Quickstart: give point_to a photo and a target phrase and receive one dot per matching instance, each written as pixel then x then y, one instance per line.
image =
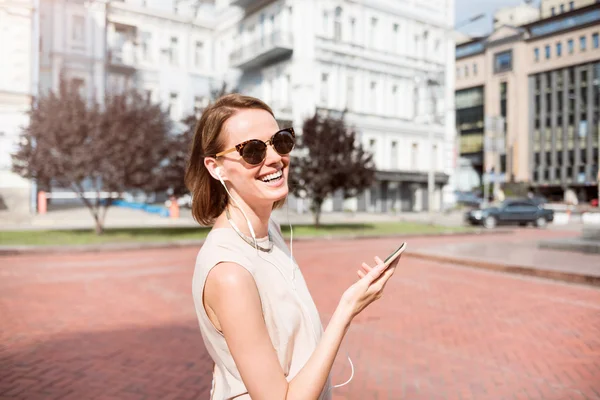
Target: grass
pixel 82 237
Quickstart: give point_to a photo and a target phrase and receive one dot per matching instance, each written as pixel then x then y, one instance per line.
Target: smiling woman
pixel 256 315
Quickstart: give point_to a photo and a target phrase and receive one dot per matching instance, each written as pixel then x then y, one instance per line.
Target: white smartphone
pixel 395 255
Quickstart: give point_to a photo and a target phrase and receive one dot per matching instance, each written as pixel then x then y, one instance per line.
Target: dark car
pixel 511 212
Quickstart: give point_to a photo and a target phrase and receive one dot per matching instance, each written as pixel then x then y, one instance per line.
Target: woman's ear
pixel 213 168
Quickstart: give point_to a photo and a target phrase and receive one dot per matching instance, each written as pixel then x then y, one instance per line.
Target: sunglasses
pixel 254 151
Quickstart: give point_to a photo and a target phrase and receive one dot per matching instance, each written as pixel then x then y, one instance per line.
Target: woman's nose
pixel 272 156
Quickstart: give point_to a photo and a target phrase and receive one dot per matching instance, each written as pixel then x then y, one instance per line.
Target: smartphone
pixel 394 255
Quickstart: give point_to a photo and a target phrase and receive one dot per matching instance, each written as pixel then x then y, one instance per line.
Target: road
pixel 121 325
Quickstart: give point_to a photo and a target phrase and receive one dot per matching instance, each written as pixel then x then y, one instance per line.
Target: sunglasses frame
pixel 240 147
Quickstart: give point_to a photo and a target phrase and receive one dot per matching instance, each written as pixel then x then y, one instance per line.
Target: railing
pixel 261 46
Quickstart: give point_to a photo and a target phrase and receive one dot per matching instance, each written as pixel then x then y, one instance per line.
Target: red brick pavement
pixel 121 326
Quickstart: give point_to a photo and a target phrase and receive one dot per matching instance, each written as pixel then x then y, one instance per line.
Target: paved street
pixel 121 326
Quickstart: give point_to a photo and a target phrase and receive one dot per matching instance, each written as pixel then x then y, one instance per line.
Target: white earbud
pixel 218 172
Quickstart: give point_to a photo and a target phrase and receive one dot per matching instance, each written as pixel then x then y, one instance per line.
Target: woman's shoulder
pixel 220 246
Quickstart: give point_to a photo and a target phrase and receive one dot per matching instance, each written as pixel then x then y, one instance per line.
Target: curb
pixel 563 276
pixel 110 247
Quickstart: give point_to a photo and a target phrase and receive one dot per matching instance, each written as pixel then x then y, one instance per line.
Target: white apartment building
pixel 18 89
pixel 390 64
pixel 163 48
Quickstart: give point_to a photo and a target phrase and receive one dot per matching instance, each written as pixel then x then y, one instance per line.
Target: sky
pixel 466 9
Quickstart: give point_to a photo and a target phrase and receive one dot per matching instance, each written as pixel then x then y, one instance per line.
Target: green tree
pixel 329 158
pixel 114 147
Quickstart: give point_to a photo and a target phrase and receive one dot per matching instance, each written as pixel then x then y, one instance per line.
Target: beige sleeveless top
pixel 289 312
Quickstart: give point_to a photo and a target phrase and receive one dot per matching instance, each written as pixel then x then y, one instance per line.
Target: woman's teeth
pixel 271 177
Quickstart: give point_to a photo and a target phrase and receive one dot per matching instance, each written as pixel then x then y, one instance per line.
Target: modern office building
pixel 520 14
pixel 550 8
pixel 542 78
pixel 389 65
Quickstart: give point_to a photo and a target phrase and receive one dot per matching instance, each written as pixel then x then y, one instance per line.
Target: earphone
pixel 218 173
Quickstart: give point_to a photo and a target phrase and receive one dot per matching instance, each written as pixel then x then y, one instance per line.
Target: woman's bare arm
pixel 231 293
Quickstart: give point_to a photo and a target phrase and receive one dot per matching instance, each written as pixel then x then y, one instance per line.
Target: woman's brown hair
pixel 209 198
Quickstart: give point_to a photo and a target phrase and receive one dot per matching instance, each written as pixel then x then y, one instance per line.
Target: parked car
pixel 511 212
pixel 468 199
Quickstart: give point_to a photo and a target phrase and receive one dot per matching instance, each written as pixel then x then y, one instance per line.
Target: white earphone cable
pixel 293 265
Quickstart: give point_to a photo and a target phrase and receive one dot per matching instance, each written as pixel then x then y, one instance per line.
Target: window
pixel 467 50
pixel 337 24
pixel 395 100
pixel 571 5
pixel 571 46
pixel 198 55
pixel 350 92
pixel 560 24
pixel 425 43
pixel 395 37
pixel 547 51
pixel 325 22
pixel 78 29
pixel 324 88
pixel 373 32
pixel 374 99
pixel 353 29
pixel 458 72
pixel 582 43
pixel 414 156
pixel 145 39
pixel 174 106
pixel 553 11
pixel 562 8
pixel 558 49
pixel 466 71
pixel 173 51
pixel 595 40
pixel 372 146
pixel 474 69
pixel 394 155
pixel 503 61
pixel 536 54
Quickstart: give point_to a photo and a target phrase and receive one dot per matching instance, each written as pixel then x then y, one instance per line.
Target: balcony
pixel 263 51
pixel 123 59
pixel 250 3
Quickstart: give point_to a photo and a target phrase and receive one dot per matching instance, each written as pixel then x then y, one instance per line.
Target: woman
pixel 257 318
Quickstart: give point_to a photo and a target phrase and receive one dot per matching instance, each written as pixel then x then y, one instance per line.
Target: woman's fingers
pixel 360 274
pixel 366 268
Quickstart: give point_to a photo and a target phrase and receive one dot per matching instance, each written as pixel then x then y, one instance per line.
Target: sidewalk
pixel 117 217
pixel 519 253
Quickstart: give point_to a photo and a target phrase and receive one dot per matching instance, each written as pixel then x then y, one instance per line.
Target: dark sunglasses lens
pixel 283 142
pixel 254 152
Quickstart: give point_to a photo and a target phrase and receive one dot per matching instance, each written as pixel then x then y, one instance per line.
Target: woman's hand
pixel 368 288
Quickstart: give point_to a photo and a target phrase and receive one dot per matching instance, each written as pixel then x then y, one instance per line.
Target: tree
pixel 86 146
pixel 329 159
pixel 172 173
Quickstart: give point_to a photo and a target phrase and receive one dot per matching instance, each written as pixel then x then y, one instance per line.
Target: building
pixel 165 51
pixel 550 8
pixel 520 14
pixel 18 89
pixel 390 66
pixel 542 80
